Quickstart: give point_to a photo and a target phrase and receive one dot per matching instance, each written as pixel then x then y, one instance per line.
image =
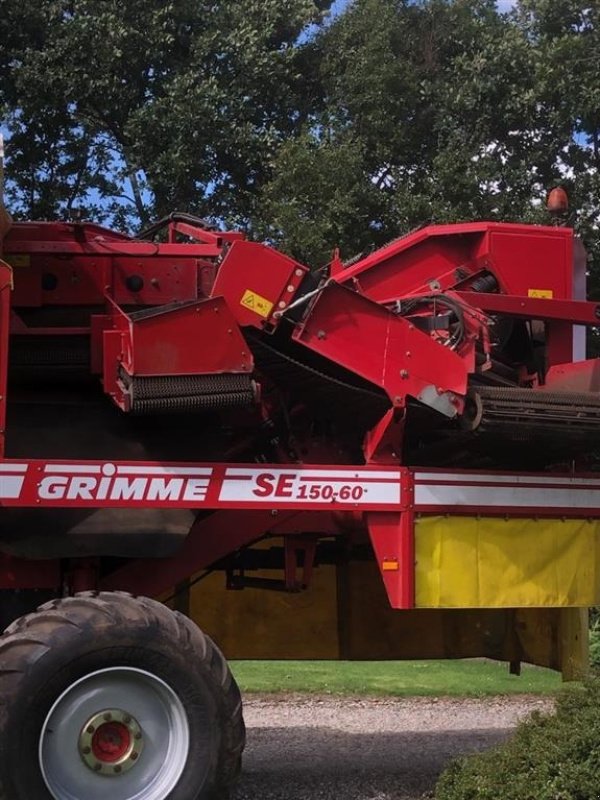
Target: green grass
pixel 397 678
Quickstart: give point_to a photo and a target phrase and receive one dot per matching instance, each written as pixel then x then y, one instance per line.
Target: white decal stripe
pixel 364 475
pixel 235 490
pixel 73 469
pixel 13 467
pixel 347 478
pixel 461 478
pixel 10 486
pixel 506 497
pixel 131 470
pixel 88 469
pixel 316 474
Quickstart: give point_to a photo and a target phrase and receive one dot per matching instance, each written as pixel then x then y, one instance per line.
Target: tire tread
pixel 30 637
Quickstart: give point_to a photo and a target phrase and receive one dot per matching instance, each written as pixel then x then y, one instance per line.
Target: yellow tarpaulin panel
pixel 466 562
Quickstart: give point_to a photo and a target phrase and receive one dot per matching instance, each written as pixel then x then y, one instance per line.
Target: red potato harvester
pixel 171 403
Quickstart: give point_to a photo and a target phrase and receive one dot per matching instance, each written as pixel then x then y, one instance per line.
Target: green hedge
pixel 595 649
pixel 595 640
pixel 550 757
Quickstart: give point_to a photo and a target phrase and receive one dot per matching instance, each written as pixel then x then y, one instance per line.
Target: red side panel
pixel 387 350
pixel 532 260
pixel 257 282
pixel 408 265
pixel 196 339
pixel 524 258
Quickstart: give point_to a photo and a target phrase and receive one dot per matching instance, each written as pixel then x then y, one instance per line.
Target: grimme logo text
pixel 108 485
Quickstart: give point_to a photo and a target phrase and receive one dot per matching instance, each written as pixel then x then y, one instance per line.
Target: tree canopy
pixel 306 129
pixel 176 104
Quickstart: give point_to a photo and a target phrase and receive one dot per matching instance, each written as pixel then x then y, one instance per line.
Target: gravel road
pixel 324 748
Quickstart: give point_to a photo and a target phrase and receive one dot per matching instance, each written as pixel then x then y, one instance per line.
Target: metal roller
pixel 532 413
pixel 181 393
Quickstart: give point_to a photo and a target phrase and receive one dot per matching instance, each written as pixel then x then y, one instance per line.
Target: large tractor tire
pixel 110 696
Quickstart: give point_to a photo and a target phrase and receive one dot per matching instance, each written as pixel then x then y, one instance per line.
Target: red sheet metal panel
pixel 194 339
pixel 257 282
pixel 388 350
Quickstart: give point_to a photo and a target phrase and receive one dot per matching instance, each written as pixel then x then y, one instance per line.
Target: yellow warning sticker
pixel 18 259
pixel 545 293
pixel 260 305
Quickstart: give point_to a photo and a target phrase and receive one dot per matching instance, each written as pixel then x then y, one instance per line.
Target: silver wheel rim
pixel 160 715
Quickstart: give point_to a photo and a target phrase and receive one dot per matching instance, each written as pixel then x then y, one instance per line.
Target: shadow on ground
pixel 324 764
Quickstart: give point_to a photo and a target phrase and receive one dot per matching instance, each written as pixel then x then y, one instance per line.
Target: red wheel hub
pixel 111 742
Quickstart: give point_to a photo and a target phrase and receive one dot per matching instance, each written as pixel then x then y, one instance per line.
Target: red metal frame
pixel 21 573
pixel 212 287
pixel 298 487
pixel 576 312
pixel 280 501
pixel 352 320
pixel 518 254
pixel 137 484
pixel 5 286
